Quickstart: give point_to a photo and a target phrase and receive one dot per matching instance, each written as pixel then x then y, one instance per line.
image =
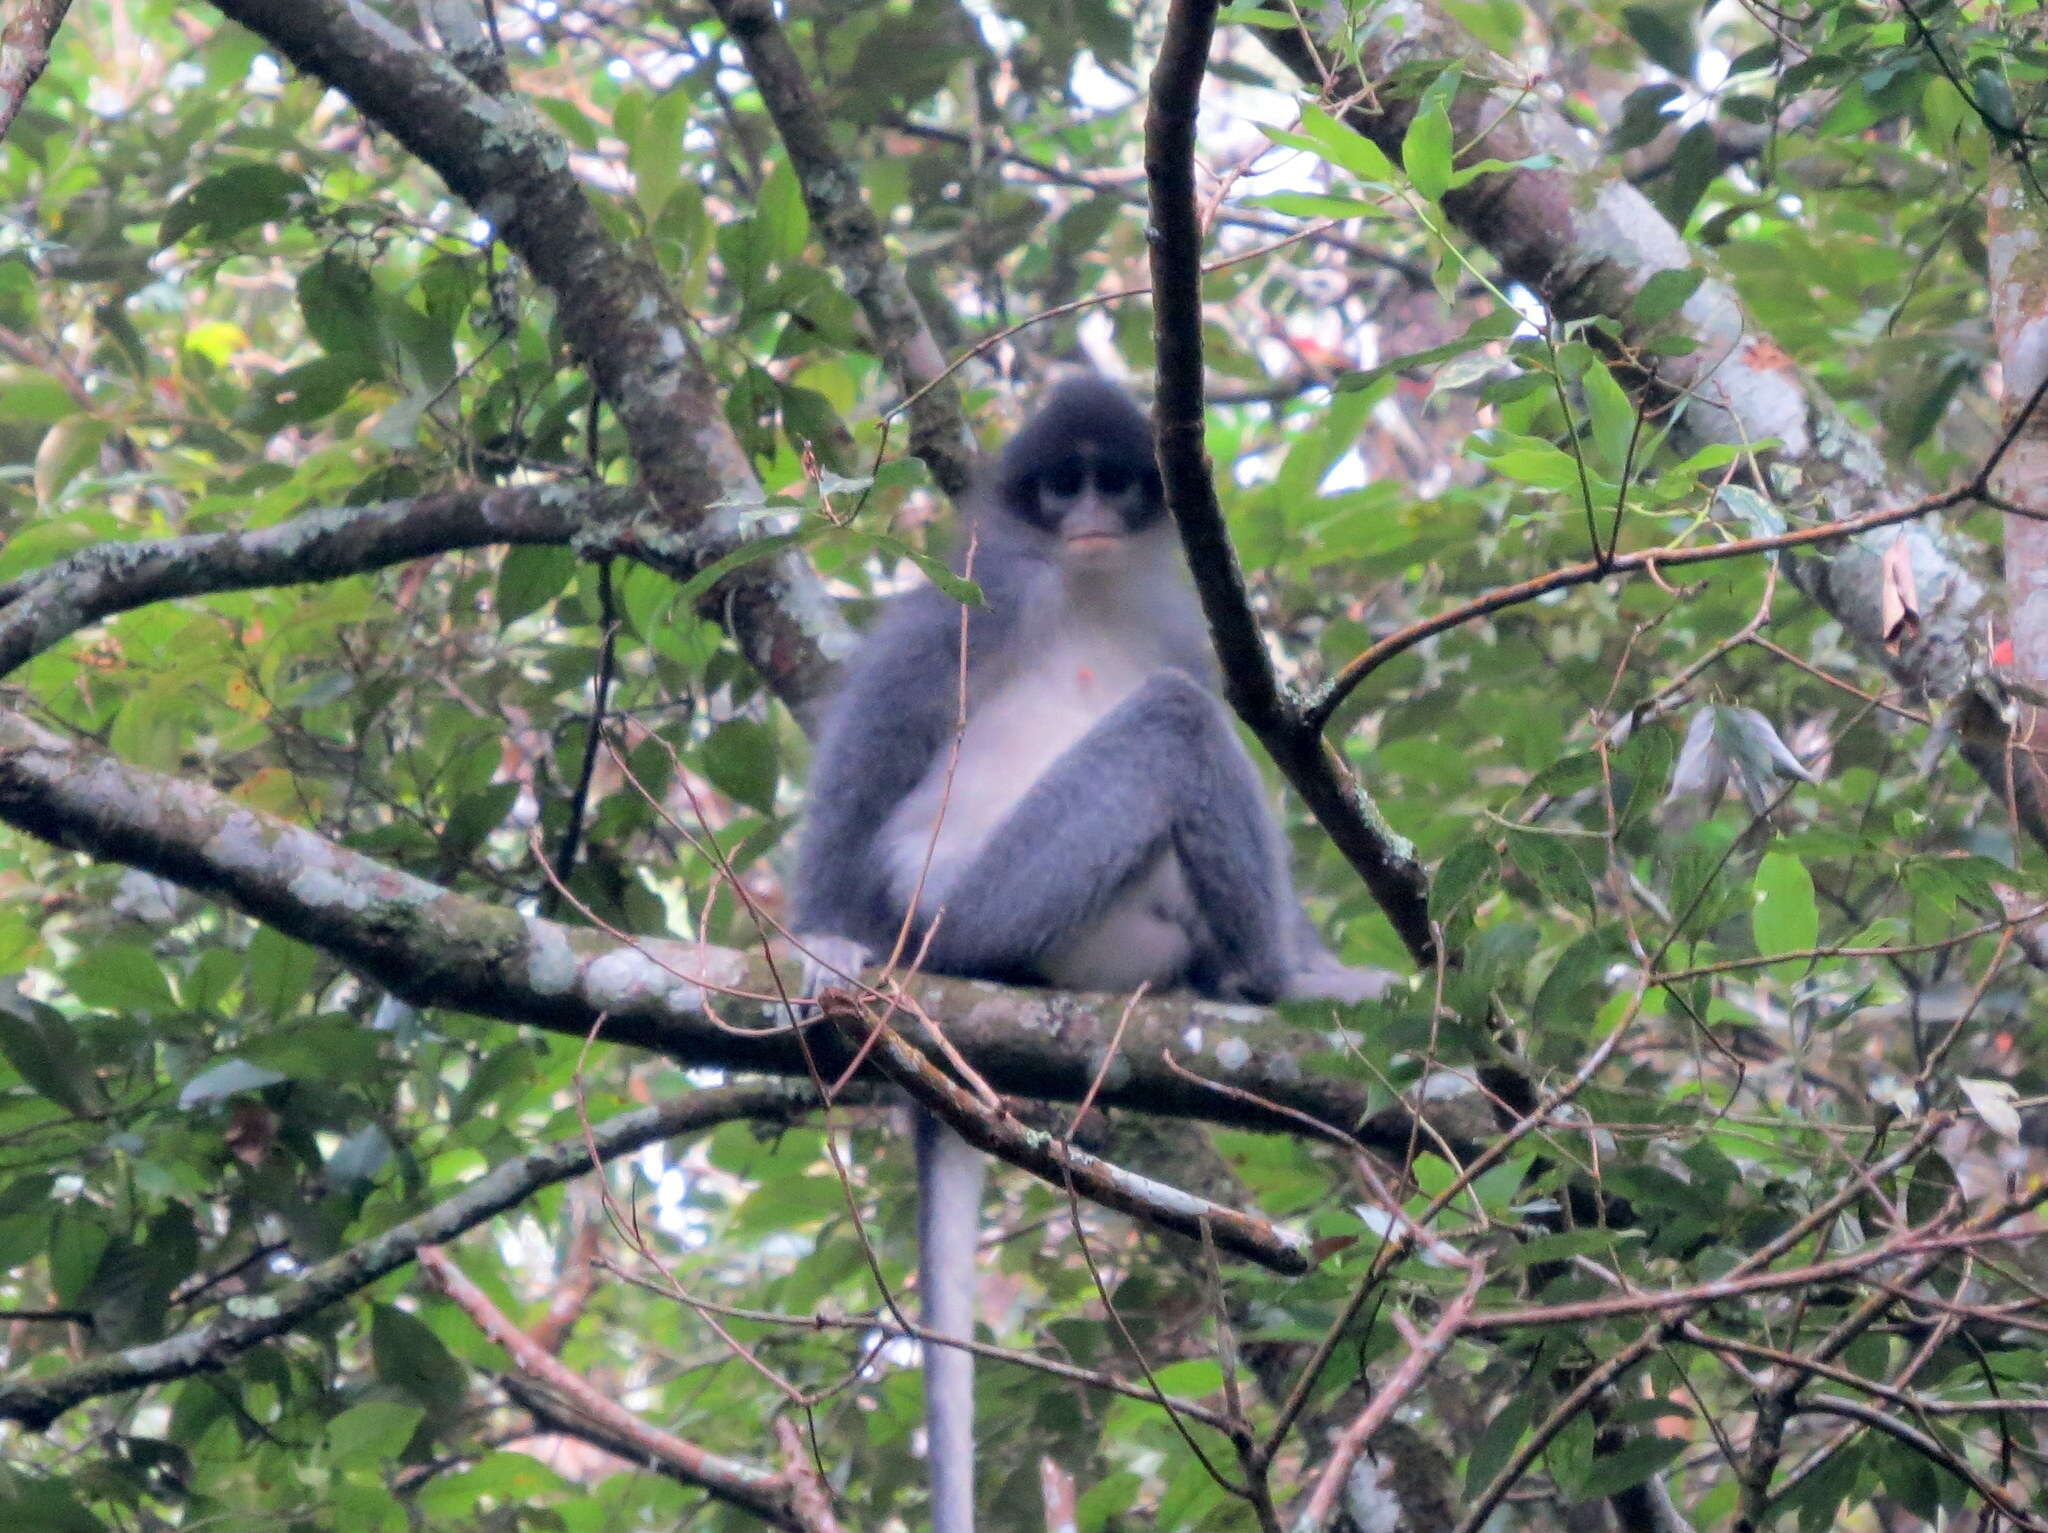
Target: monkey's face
pixel 1095 505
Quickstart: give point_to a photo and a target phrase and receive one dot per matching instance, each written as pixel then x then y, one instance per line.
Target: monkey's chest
pixel 1014 735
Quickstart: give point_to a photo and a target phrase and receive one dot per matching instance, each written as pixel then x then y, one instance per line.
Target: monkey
pixel 1098 826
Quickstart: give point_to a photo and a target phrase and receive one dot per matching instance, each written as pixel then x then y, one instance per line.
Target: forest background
pixel 444 450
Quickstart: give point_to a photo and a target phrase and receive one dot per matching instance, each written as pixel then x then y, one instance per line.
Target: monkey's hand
pixel 829 961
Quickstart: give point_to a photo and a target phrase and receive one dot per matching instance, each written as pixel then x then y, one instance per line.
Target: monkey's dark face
pixel 1093 504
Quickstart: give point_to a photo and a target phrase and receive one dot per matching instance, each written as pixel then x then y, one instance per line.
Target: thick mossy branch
pixel 697 1004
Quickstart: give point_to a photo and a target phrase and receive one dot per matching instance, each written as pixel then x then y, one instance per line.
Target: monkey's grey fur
pixel 1098 828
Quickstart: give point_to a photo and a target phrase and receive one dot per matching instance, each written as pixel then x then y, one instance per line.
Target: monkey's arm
pixel 1163 769
pixel 891 716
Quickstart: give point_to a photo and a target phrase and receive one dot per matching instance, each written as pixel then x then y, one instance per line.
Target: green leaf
pixel 749 552
pixel 231 1077
pixel 1490 1454
pixel 1467 874
pixel 655 153
pixel 1665 34
pixel 339 302
pixel 1332 141
pixel 411 1357
pixel 1632 1464
pixel 37 1041
pixel 1694 165
pixel 785 225
pixel 1643 116
pixel 1540 464
pixel 937 571
pixel 1666 292
pixel 1426 151
pixel 1785 919
pixel 1555 862
pixel 574 123
pixel 374 1432
pixel 740 759
pixel 47 1506
pixel 119 976
pixel 510 1479
pixel 1489 327
pixel 1315 205
pixel 1103 1505
pixel 474 817
pixel 1248 14
pixel 302 394
pixel 530 578
pixel 1613 417
pixel 278 973
pixel 225 204
pixel 1572 991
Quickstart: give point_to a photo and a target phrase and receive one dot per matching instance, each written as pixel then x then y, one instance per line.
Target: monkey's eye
pixel 1113 479
pixel 1066 480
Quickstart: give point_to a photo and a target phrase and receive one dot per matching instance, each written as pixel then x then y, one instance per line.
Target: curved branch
pixel 1637 562
pixel 615 307
pixel 1928 1446
pixel 214 1343
pixel 71 593
pixel 1338 802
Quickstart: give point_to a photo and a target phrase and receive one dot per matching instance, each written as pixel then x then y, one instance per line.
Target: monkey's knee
pixel 1176 701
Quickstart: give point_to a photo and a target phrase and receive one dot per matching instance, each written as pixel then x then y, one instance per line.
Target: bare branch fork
pixel 768 1494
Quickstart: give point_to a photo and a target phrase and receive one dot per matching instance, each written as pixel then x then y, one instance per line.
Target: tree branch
pixel 616 308
pixel 1636 562
pixel 852 236
pixel 214 1343
pixel 1339 804
pixel 25 52
pixel 1585 241
pixel 760 1491
pixel 696 1003
pixel 999 1133
pixel 71 593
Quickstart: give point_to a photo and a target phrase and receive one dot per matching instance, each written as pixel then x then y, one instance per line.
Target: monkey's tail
pixel 950 1172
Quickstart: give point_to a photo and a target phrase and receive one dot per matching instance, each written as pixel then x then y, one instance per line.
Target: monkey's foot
pixel 829 961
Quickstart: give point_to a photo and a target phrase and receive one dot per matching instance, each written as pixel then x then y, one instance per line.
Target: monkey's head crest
pixel 1082 467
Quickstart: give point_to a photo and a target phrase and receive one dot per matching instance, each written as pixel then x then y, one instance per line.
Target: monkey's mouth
pixel 1093 542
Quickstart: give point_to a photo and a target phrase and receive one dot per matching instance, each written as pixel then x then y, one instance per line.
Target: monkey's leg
pixel 1163 769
